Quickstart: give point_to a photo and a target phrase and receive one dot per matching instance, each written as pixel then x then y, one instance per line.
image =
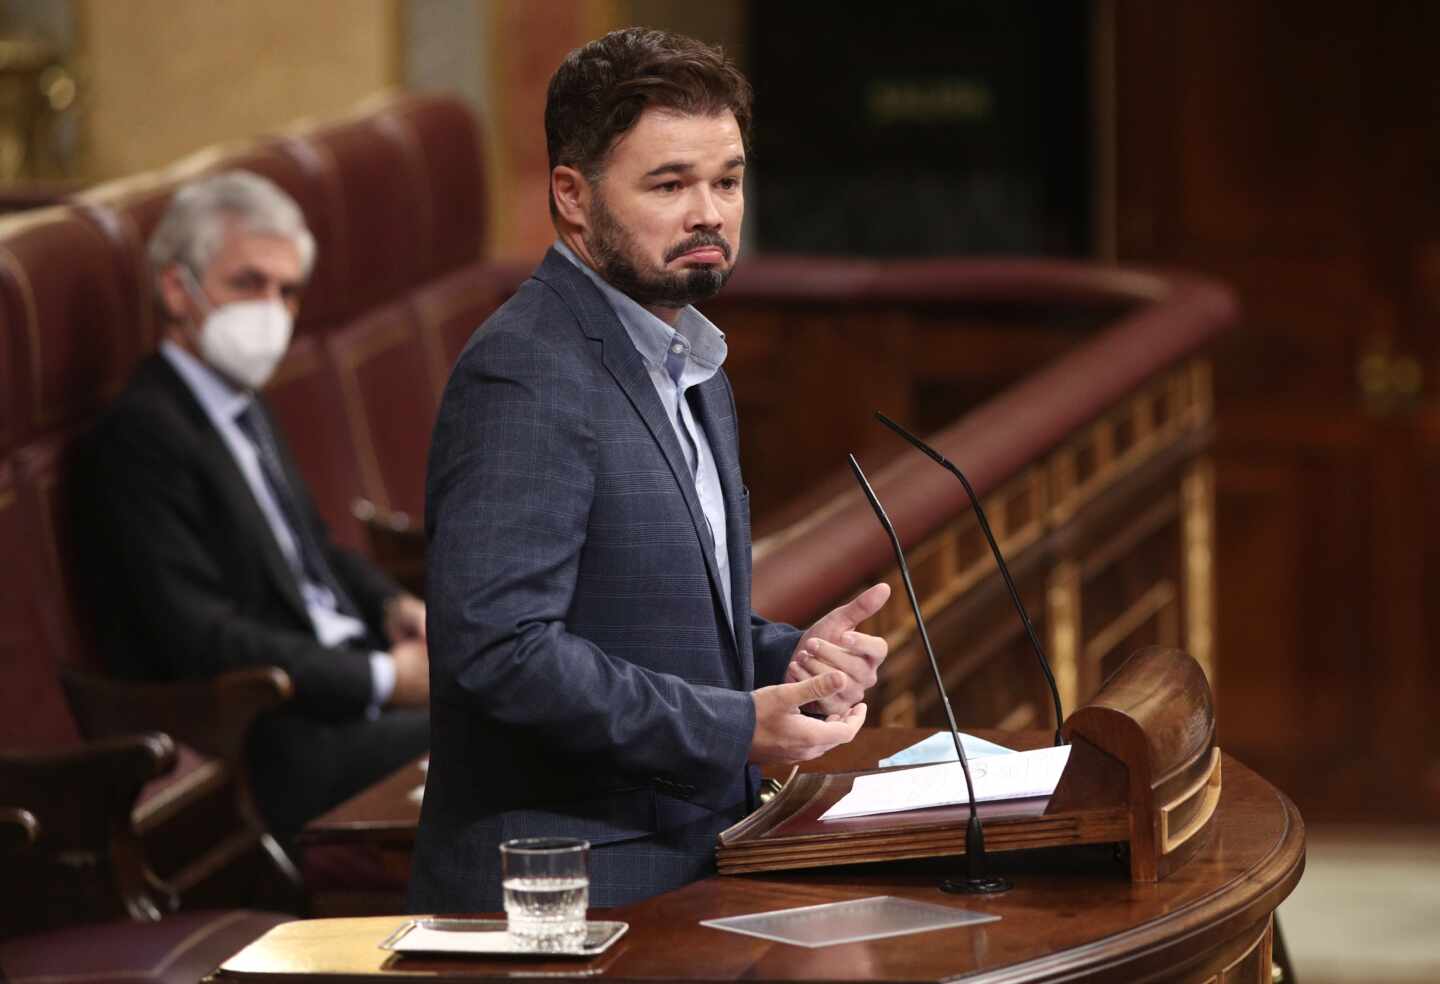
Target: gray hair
pixel 193 228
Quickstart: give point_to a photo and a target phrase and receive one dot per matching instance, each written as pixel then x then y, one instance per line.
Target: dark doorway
pixel 923 127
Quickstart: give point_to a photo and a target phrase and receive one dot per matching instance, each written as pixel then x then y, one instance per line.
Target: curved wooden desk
pixel 1073 915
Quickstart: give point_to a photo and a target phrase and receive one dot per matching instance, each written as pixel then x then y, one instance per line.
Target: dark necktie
pixel 252 421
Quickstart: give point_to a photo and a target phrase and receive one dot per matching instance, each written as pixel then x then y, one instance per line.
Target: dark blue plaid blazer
pixel 585 679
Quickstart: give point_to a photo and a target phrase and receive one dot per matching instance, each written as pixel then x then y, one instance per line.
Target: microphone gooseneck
pixel 944 462
pixel 977 882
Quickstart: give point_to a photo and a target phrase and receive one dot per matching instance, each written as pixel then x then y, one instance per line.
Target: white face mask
pixel 244 340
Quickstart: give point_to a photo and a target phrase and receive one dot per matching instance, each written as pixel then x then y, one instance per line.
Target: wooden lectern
pixel 1204 880
pixel 1144 770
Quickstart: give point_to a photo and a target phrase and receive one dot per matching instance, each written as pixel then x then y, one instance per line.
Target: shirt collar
pixel 220 400
pixel 653 338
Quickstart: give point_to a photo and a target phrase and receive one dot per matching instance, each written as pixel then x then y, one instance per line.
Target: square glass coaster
pixel 487 937
pixel 849 922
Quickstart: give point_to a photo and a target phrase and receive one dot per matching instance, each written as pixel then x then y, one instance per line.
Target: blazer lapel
pixel 625 364
pixel 233 486
pixel 715 410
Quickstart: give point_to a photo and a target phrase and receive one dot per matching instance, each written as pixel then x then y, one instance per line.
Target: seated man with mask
pixel 207 550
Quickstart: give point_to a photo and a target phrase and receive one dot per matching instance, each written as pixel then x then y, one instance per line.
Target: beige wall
pixel 168 76
pixel 162 78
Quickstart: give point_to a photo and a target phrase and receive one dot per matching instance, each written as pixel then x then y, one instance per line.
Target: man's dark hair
pixel 599 91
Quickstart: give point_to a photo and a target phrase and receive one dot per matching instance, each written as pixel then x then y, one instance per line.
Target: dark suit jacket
pixel 186 572
pixel 186 580
pixel 585 679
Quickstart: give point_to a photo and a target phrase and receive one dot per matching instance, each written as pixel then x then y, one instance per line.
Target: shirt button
pixel 677 348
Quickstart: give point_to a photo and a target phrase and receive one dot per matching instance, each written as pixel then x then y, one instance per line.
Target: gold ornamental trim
pixel 1197 493
pixel 1062 610
pixel 1047 495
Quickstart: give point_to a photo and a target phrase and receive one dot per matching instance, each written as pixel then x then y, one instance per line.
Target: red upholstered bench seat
pixel 395 195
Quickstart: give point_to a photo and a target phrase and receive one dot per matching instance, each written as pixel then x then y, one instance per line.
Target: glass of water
pixel 547 888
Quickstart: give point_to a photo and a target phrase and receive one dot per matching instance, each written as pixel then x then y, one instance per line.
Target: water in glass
pixel 546 890
pixel 547 911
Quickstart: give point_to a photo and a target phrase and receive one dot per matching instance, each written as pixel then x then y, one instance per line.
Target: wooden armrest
pixel 18 829
pixel 397 544
pixel 73 792
pixel 79 801
pixel 211 716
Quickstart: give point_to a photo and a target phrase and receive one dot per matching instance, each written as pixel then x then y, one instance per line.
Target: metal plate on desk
pixel 849 922
pixel 487 937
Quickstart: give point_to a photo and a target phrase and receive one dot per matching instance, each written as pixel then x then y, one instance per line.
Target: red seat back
pixel 384 244
pixel 72 319
pixel 390 403
pixel 46 475
pixel 305 397
pixel 448 140
pixel 450 308
pixel 73 333
pixel 33 712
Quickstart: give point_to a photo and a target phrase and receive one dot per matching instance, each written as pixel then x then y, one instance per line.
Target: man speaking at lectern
pixel 597 671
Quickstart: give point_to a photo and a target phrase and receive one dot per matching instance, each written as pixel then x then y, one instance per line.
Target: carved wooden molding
pixel 1051 492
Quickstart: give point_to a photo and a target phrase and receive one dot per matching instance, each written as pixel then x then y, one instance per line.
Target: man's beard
pixel 618 261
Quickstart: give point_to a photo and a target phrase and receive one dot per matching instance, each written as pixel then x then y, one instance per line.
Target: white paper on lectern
pixel 996 777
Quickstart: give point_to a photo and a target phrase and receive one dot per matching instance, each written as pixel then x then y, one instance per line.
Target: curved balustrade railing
pixel 1085 465
pixel 801 568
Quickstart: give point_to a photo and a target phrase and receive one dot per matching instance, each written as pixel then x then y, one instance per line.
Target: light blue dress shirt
pixel 677 359
pixel 222 403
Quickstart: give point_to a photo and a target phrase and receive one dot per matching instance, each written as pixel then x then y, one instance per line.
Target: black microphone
pixel 976 882
pixel 941 460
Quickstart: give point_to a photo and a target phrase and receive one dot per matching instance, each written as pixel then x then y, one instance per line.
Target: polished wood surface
pixel 1073 915
pixel 384 814
pixel 1243 150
